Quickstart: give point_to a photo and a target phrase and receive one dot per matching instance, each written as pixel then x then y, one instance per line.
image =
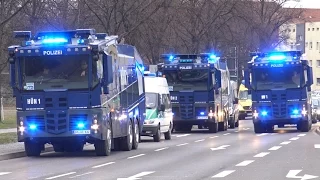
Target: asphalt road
pixel 237 154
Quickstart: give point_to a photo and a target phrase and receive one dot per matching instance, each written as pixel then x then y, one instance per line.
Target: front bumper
pixel 150 129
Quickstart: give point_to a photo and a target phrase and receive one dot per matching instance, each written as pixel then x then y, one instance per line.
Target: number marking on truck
pixel 81 132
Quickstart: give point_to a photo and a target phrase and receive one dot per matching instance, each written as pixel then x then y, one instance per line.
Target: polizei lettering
pixel 276 65
pixel 52 53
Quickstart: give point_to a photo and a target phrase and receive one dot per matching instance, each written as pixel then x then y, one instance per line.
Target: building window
pixel 312 29
pixel 317 45
pixel 318 29
pixel 310 45
pixel 310 62
pixel 293 30
pixel 308 29
pixel 318 81
pixel 318 63
pixel 306 44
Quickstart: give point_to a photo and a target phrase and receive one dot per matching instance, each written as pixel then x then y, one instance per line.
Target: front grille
pixel 186 111
pixel 60 103
pixel 279 110
pixel 247 107
pixel 78 118
pixel 36 120
pixel 186 99
pixel 57 122
pixel 280 96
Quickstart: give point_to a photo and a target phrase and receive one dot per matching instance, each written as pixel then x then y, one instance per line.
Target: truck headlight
pixel 255 114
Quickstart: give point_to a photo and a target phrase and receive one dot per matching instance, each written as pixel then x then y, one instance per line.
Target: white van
pixel 158 108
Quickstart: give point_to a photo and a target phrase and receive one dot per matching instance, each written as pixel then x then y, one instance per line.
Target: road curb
pixel 20 154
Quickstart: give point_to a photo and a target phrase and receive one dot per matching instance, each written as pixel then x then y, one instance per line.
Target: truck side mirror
pixel 107 72
pixel 247 79
pixel 162 107
pixel 236 100
pixel 310 76
pixel 12 75
pixel 217 79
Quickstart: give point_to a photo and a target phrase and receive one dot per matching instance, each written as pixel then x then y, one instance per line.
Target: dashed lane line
pixel 4 173
pixel 80 175
pixel 182 144
pixel 139 155
pixel 161 149
pixel 262 154
pixel 263 134
pixel 61 175
pixel 317 146
pixel 294 138
pixel 223 174
pixel 245 163
pixel 301 135
pixel 183 135
pixel 226 134
pixel 102 165
pixel 236 131
pixel 214 137
pixel 285 142
pixel 274 148
pixel 200 140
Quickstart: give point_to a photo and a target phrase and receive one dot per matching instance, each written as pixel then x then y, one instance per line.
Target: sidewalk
pixel 8 130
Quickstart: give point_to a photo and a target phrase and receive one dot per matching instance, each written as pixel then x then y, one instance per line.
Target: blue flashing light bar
pixel 171 57
pixel 277 56
pixel 80 125
pixel 54 41
pixel 32 127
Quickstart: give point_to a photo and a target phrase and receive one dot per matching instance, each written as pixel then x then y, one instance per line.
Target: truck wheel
pixel 33 149
pixel 213 127
pixel 136 136
pixel 167 135
pixel 103 147
pixel 303 126
pixel 157 136
pixel 237 123
pixel 314 121
pixel 221 126
pixel 258 128
pixel 232 123
pixel 127 141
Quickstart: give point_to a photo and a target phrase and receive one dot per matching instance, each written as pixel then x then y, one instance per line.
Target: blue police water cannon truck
pixel 280 83
pixel 76 87
pixel 196 91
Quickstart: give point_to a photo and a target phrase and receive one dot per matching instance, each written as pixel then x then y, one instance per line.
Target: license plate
pixel 296 116
pixel 185 67
pixel 202 117
pixel 81 132
pixel 249 114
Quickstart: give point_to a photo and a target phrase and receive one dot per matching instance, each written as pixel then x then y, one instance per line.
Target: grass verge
pixel 8 123
pixel 6 138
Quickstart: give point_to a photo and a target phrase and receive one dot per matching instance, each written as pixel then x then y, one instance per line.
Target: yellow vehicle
pixel 244 103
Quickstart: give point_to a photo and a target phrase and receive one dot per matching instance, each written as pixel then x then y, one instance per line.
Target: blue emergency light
pixel 58 40
pixel 32 127
pixel 276 56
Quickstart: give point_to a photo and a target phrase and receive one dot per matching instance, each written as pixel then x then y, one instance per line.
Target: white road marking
pixel 236 131
pixel 137 176
pixel 301 135
pixel 293 174
pixel 101 165
pixel 220 147
pixel 245 128
pixel 285 142
pixel 183 135
pixel 200 140
pixel 245 163
pixel 81 175
pixel 317 146
pixel 263 134
pixel 223 174
pixel 61 175
pixel 182 144
pixel 226 134
pixel 213 137
pixel 135 156
pixel 262 154
pixel 161 149
pixel 4 173
pixel 274 148
pixel 273 134
pixel 294 138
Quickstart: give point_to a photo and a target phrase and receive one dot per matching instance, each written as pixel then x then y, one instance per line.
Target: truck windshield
pixel 274 78
pixel 151 100
pixel 196 80
pixel 244 95
pixel 55 72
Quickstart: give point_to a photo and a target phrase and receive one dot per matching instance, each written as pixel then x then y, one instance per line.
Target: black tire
pixel 33 149
pixel 232 123
pixel 314 121
pixel 157 136
pixel 58 147
pixel 258 128
pixel 221 126
pixel 237 123
pixel 200 127
pixel 103 147
pixel 136 136
pixel 304 126
pixel 167 135
pixel 213 127
pixel 127 141
pixel 270 128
